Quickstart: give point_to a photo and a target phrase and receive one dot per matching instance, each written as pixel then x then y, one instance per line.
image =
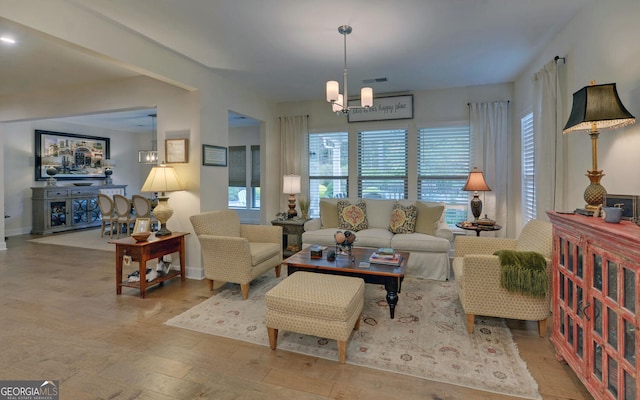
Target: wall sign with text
pixel 384 108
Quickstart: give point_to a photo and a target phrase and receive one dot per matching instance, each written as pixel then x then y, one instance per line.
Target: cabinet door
pixel 56 213
pixel 569 292
pixel 85 211
pixel 612 364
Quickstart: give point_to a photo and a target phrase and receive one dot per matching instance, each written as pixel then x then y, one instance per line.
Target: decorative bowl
pixel 83 184
pixel 140 236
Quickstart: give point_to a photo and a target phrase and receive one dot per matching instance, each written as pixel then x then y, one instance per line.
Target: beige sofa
pixel 428 245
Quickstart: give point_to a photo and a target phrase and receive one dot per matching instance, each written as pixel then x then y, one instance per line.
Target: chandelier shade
pixel 339 101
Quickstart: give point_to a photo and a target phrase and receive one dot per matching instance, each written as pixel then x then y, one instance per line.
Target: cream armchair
pixel 477 272
pixel 233 252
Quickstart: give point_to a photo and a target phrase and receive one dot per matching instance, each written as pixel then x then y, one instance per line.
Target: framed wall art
pixel 384 108
pixel 68 156
pixel 176 150
pixel 214 155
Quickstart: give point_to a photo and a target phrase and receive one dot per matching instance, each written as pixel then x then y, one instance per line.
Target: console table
pixel 64 208
pixel 141 252
pixel 596 304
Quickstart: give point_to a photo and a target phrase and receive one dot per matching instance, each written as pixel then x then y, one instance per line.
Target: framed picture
pixel 68 156
pixel 627 202
pixel 214 155
pixel 142 225
pixel 384 108
pixel 176 150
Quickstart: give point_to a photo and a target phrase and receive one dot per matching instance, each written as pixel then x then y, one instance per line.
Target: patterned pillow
pixel 352 216
pixel 403 219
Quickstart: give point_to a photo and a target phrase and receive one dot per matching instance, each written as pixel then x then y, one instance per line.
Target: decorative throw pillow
pixel 403 219
pixel 328 214
pixel 428 218
pixel 352 216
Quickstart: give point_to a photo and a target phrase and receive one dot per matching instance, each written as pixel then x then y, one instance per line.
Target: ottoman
pixel 328 306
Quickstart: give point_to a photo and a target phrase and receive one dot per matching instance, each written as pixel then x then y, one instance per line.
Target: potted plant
pixel 303 203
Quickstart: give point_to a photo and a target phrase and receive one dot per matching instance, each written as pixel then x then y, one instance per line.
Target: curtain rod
pixel 495 101
pixel 293 116
pixel 556 58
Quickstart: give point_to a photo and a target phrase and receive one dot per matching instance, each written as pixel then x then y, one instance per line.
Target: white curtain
pixel 294 133
pixel 490 152
pixel 547 140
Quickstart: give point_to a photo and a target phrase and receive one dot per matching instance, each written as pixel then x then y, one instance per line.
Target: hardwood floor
pixel 61 319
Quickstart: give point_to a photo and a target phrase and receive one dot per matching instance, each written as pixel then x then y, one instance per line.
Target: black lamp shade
pixel 597 104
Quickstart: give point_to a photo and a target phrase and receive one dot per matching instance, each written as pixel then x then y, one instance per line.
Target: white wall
pixel 601 43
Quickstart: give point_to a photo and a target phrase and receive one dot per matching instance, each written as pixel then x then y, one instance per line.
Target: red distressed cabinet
pixel 595 302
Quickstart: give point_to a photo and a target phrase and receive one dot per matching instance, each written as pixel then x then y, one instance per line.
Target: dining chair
pixel 123 211
pixel 106 210
pixel 142 208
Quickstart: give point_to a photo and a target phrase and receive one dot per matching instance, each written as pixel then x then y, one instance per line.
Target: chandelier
pixel 150 156
pixel 339 102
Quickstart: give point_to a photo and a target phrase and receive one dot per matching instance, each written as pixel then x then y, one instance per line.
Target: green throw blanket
pixel 524 272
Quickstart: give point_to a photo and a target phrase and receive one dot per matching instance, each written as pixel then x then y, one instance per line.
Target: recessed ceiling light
pixel 7 39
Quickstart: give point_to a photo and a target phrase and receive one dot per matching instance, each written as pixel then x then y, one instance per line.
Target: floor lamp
pixel 596 107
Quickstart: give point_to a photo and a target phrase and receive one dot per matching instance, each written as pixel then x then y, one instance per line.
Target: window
pixel 328 168
pixel 528 168
pixel 241 195
pixel 382 164
pixel 443 168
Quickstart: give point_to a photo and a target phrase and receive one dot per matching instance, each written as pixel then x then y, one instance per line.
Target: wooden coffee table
pixel 388 275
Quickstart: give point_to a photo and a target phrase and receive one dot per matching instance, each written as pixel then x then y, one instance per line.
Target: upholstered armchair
pixel 477 273
pixel 234 252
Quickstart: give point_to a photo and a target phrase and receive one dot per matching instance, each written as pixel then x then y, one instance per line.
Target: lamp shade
pixel 162 178
pixel 599 105
pixel 291 184
pixel 476 182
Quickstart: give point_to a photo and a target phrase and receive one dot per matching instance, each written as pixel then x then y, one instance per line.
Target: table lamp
pixel 596 107
pixel 291 186
pixel 476 183
pixel 162 179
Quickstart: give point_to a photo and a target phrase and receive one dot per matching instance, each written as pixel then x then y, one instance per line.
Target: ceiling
pixel 286 50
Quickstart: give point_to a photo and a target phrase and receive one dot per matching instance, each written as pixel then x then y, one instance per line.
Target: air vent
pixel 374 80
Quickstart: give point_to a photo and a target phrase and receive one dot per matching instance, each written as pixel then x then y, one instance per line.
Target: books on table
pixel 387 259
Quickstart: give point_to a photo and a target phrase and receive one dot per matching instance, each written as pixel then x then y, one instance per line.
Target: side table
pixel 479 228
pixel 141 252
pixel 292 230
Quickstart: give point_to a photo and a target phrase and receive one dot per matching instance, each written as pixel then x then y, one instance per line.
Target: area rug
pixel 427 339
pixel 88 239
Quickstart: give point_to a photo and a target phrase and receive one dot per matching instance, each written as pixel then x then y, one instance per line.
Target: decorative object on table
pixel 177 150
pixel 315 251
pixel 303 203
pixel 75 157
pixel 150 156
pixel 51 171
pixel 162 178
pixel 140 236
pixel 339 101
pixel 596 107
pixel 612 214
pixel 291 186
pixel 344 242
pixel 476 183
pixel 630 205
pixel 108 171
